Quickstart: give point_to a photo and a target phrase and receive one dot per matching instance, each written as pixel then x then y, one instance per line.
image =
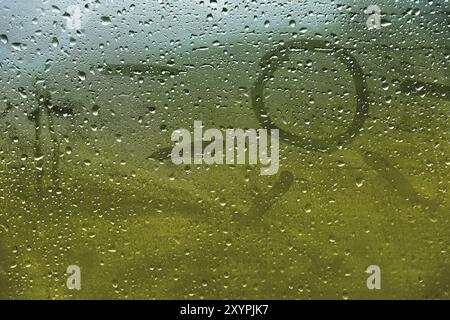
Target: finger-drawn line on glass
pixel 8 108
pixel 140 69
pixel 273 60
pixel 44 113
pixel 43 99
pixel 434 90
pixel 398 181
pixel 164 154
pixel 265 200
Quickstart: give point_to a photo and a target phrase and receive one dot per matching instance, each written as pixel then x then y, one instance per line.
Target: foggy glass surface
pixel 91 92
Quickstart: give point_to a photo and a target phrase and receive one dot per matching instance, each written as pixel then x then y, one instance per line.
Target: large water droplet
pixel 105 20
pixel 82 75
pixel 4 38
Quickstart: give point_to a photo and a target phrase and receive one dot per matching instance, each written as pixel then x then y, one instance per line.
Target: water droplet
pixel 105 20
pixel 16 46
pixel 213 3
pixel 4 38
pixel 307 208
pixel 55 42
pixel 82 75
pixel 95 109
pixel 359 182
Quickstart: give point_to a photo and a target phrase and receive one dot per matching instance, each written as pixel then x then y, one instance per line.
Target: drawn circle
pixel 273 60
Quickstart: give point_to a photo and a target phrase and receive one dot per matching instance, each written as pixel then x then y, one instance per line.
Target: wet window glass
pixel 224 149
